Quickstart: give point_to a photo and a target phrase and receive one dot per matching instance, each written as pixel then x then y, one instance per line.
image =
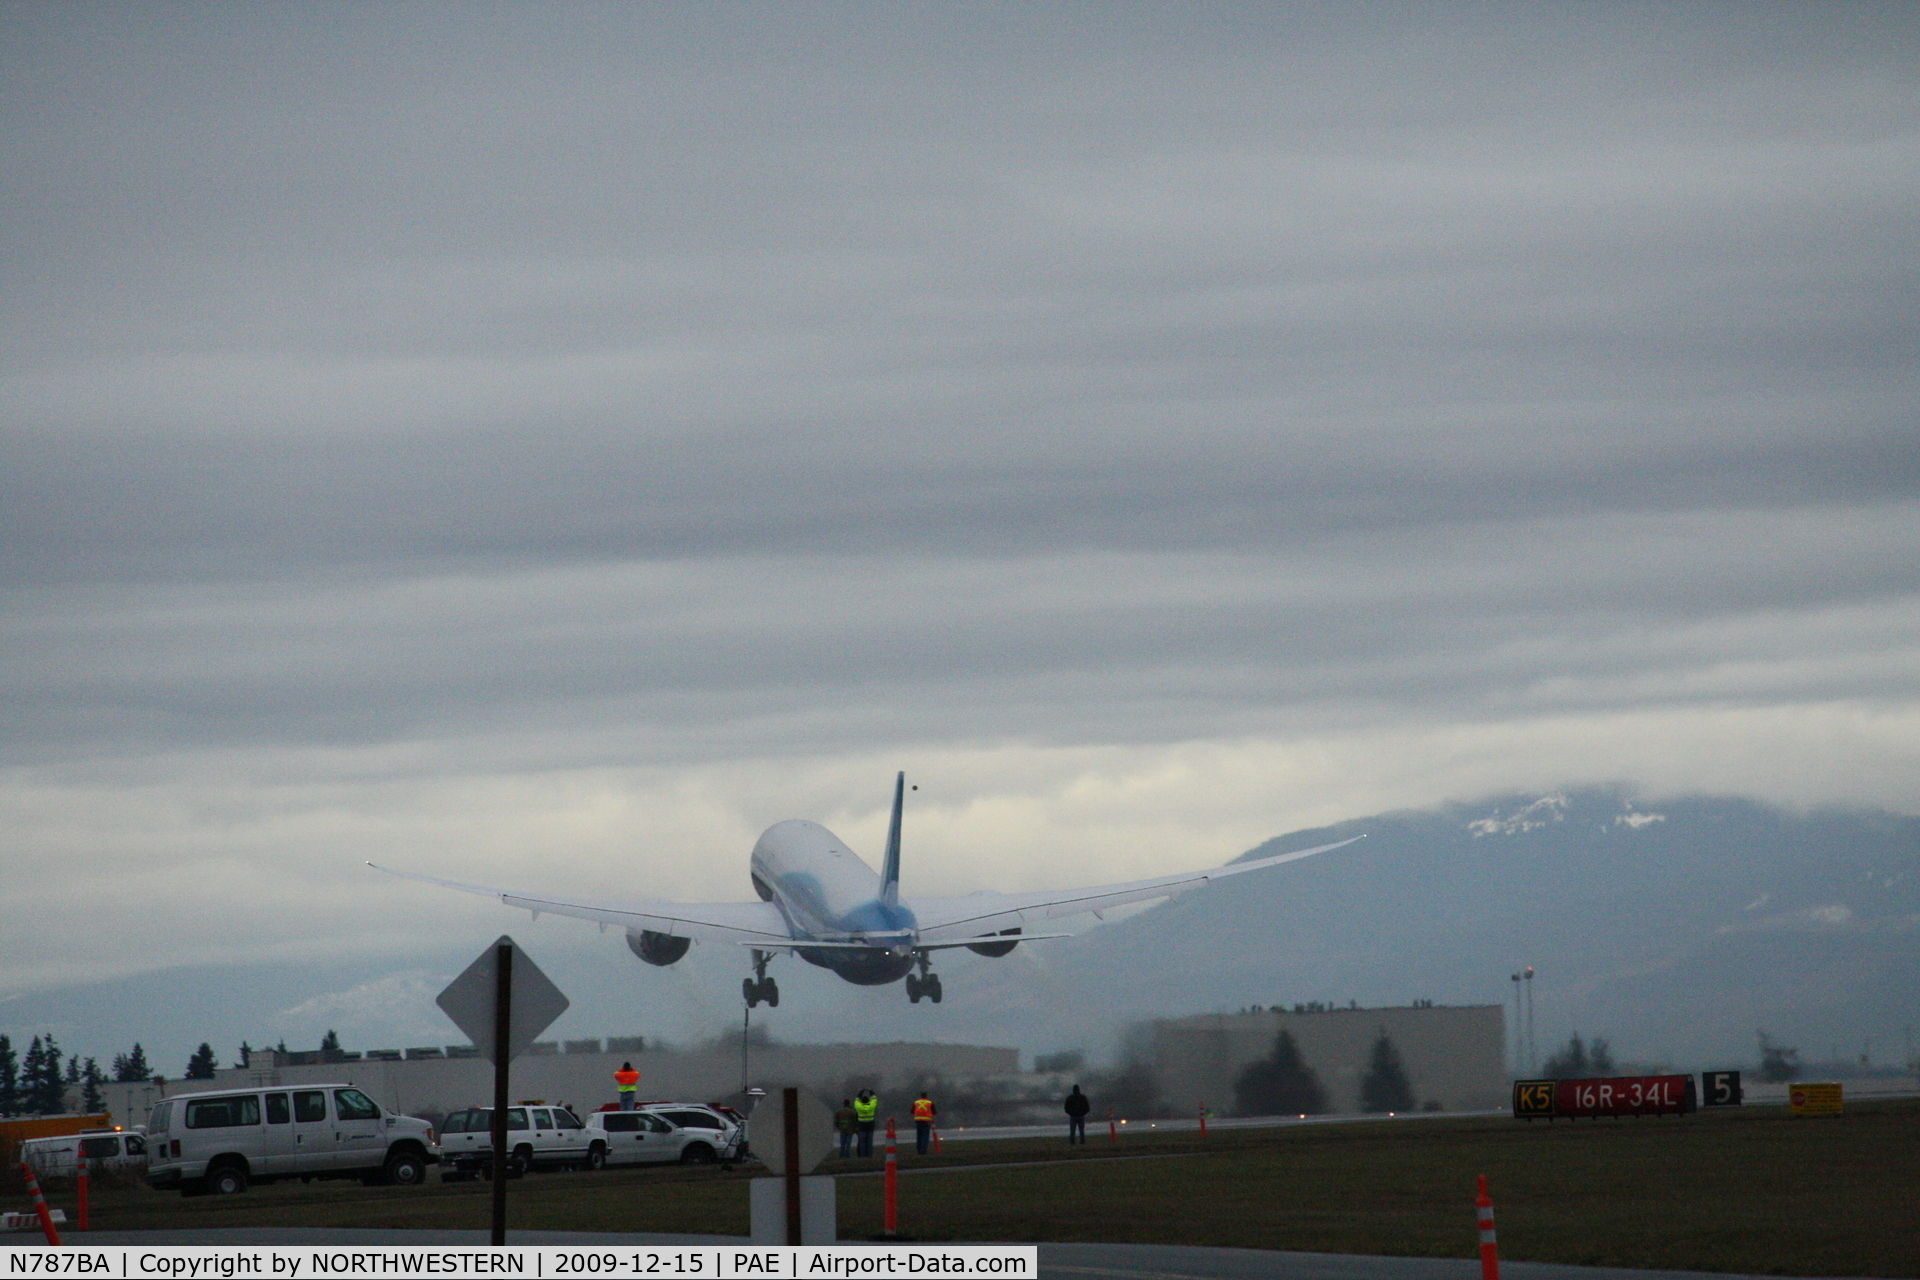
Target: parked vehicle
pixel 537 1137
pixel 715 1133
pixel 645 1137
pixel 221 1142
pixel 101 1148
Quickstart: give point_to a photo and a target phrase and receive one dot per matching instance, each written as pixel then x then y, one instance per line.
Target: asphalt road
pixel 1115 1261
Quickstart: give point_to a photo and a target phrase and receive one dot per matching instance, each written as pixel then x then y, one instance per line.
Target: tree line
pixel 39 1081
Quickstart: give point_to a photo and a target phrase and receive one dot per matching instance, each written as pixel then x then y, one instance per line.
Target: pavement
pixel 1116 1261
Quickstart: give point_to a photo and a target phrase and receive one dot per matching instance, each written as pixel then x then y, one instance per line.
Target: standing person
pixel 865 1107
pixel 626 1083
pixel 843 1124
pixel 923 1113
pixel 1077 1107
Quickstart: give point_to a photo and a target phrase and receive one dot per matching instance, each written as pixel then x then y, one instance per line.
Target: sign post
pixel 501 1006
pixel 790 1207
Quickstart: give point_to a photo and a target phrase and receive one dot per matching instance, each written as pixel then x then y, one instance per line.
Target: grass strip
pixel 1753 1190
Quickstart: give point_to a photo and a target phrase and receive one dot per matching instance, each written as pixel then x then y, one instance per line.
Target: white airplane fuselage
pixel 828 894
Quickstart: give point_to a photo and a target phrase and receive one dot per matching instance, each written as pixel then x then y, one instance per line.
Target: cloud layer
pixel 558 443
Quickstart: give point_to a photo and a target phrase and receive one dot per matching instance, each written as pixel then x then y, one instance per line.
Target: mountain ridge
pixel 1676 927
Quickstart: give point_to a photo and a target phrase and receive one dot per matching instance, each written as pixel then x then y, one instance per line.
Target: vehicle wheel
pixel 696 1153
pixel 227 1180
pixel 519 1162
pixel 597 1156
pixel 405 1169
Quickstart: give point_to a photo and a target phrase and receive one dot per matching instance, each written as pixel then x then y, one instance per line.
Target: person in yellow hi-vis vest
pixel 626 1082
pixel 923 1113
pixel 865 1107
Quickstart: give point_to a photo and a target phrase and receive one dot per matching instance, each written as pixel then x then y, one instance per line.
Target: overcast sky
pixel 545 444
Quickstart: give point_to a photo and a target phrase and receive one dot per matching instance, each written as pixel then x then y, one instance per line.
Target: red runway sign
pixel 1614 1096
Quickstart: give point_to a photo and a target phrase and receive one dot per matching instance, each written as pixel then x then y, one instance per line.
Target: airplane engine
pixel 657 948
pixel 995 948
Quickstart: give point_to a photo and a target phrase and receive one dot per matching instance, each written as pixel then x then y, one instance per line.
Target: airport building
pixel 1454 1057
pixel 436 1080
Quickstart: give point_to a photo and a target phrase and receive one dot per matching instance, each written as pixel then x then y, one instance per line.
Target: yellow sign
pixel 1533 1098
pixel 1808 1099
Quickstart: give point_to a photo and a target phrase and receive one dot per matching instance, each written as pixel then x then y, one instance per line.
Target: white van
pixel 101 1148
pixel 221 1142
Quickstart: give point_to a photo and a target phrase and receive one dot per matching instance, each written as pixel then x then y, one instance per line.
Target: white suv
pixel 537 1136
pixel 222 1141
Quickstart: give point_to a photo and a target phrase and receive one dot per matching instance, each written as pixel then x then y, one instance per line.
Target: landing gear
pixel 760 989
pixel 924 983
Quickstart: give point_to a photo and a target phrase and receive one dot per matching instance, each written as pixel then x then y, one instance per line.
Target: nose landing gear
pixel 924 983
pixel 760 989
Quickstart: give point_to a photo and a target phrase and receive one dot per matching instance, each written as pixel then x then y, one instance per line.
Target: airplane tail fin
pixel 890 869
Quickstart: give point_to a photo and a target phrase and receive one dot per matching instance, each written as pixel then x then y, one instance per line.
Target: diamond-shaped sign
pixel 534 1002
pixel 769 1132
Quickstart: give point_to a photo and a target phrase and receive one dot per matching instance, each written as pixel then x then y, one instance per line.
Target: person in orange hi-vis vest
pixel 923 1113
pixel 626 1082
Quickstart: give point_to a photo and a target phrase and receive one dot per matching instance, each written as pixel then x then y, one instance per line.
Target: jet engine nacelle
pixel 657 948
pixel 996 948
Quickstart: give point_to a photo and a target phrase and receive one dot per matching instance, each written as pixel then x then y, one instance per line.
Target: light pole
pixel 1532 1057
pixel 1519 1045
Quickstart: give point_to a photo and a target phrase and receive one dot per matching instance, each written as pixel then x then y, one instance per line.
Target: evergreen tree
pixel 201 1065
pixel 1385 1087
pixel 73 1070
pixel 245 1058
pixel 1577 1060
pixel 330 1042
pixel 1777 1062
pixel 9 1078
pixel 42 1090
pixel 1279 1084
pixel 132 1068
pixel 31 1067
pixel 90 1078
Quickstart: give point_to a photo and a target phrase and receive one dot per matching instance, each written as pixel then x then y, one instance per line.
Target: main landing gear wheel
pixel 927 985
pixel 760 989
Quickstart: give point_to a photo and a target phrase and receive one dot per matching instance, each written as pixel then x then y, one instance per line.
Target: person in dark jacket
pixel 844 1125
pixel 1076 1107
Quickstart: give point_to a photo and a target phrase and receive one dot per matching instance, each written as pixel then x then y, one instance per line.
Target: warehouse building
pixel 434 1080
pixel 1454 1057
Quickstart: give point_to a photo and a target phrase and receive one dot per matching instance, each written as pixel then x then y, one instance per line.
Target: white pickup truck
pixel 537 1137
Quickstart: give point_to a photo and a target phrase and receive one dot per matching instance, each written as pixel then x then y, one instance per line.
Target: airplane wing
pixel 956 921
pixel 744 922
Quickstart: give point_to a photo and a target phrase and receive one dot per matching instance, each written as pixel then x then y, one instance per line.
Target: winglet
pixel 890 869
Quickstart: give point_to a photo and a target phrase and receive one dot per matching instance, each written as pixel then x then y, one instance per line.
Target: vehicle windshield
pixel 351 1104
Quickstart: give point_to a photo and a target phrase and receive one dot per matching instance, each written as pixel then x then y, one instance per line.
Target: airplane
pixel 822 903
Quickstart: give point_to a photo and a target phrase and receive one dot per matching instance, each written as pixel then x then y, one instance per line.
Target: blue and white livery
pixel 821 902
